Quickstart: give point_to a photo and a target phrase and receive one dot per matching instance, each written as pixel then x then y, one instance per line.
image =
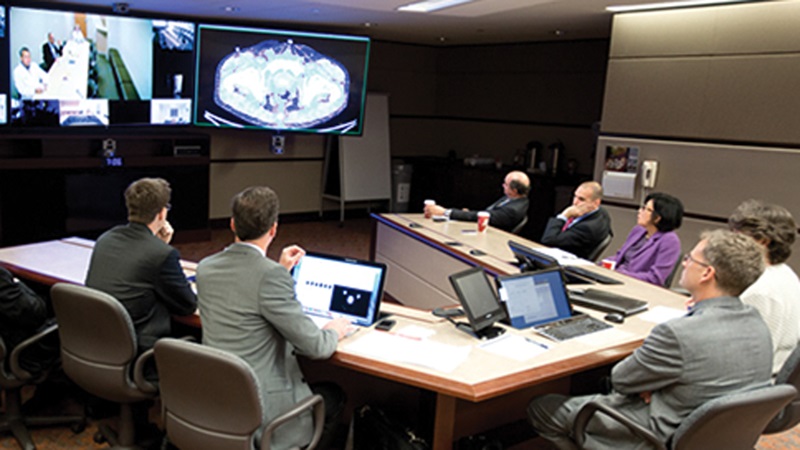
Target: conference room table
pixel 474 384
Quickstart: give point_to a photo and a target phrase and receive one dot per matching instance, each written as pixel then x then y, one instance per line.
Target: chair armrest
pixel 142 384
pixel 587 412
pixel 16 369
pixel 316 401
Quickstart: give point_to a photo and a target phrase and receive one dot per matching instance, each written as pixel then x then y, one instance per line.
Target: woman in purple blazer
pixel 652 248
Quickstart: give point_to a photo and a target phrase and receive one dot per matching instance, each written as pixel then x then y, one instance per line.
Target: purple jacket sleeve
pixel 654 261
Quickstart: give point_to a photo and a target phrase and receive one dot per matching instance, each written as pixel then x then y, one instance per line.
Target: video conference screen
pixel 280 80
pixel 69 69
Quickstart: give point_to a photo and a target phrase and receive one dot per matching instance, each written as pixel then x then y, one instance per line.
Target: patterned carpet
pixel 322 236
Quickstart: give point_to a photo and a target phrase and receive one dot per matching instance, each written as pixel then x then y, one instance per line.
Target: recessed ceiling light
pixel 666 5
pixel 431 5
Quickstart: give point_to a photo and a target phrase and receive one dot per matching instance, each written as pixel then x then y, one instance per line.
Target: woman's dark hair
pixel 668 208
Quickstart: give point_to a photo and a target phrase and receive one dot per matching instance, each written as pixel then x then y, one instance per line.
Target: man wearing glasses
pixel 719 347
pixel 135 264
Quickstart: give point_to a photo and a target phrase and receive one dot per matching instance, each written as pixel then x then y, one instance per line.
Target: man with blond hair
pixel 719 347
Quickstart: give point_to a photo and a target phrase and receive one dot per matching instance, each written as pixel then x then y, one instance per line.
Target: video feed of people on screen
pixel 281 81
pixel 88 61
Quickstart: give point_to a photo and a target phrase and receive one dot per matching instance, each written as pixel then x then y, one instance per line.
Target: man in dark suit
pixel 23 313
pixel 506 213
pixel 719 347
pixel 248 307
pixel 581 227
pixel 50 51
pixel 135 264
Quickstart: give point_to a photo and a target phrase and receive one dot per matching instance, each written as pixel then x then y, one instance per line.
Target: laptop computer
pixel 531 259
pixel 539 300
pixel 330 286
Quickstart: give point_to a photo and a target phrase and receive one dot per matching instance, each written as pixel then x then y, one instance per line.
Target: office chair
pixel 518 227
pixel 211 399
pixel 732 422
pixel 601 247
pixel 98 352
pixel 668 280
pixel 789 416
pixel 12 378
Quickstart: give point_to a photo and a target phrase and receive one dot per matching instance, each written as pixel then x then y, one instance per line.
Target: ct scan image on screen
pixel 249 78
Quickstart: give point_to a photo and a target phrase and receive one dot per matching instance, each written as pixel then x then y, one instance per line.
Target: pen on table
pixel 413 338
pixel 544 346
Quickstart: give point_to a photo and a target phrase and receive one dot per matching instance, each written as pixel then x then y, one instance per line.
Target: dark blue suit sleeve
pixel 174 290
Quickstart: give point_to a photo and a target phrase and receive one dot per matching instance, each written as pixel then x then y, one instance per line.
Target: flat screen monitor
pixel 478 299
pixel 531 259
pixel 281 80
pixel 76 69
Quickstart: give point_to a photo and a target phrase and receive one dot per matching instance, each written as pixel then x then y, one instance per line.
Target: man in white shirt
pixel 29 79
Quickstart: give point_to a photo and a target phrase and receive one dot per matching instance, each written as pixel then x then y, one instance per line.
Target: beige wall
pixel 711 94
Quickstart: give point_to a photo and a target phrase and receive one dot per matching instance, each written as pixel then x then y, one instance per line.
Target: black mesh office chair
pixel 671 277
pixel 99 353
pixel 210 399
pixel 518 228
pixel 789 416
pixel 12 378
pixel 732 422
pixel 601 247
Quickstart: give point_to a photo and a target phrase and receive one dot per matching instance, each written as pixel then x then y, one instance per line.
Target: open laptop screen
pixel 334 286
pixel 534 298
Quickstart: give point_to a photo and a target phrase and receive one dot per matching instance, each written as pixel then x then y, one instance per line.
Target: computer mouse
pixel 615 317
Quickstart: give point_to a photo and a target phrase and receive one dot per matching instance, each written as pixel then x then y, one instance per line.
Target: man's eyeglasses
pixel 688 257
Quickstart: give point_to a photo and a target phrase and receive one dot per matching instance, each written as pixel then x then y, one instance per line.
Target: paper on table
pixel 563 257
pixel 661 314
pixel 400 348
pixel 514 347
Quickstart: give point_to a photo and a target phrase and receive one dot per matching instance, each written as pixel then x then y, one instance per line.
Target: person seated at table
pixel 719 347
pixel 29 79
pixel 506 213
pixel 582 226
pixel 135 264
pixel 776 294
pixel 23 313
pixel 248 307
pixel 51 51
pixel 652 248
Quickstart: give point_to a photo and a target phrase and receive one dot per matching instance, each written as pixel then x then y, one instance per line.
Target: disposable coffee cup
pixel 483 221
pixel 428 203
pixel 609 264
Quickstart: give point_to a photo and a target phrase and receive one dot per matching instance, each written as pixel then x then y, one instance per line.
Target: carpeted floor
pixel 322 236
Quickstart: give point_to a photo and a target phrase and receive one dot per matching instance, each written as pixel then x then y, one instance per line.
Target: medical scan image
pixel 281 84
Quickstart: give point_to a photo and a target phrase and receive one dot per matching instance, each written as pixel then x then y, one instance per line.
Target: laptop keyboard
pixel 572 327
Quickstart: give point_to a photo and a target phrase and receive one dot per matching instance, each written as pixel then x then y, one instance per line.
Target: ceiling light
pixel 665 5
pixel 431 5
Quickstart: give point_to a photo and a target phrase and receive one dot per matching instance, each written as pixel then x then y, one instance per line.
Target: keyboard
pixel 571 328
pixel 593 276
pixel 607 301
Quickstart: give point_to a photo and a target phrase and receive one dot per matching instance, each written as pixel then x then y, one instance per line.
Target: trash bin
pixel 401 186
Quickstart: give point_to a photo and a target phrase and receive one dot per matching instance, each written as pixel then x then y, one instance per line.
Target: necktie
pixel 567 224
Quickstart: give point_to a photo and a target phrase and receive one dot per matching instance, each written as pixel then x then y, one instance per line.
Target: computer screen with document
pixel 534 298
pixel 331 286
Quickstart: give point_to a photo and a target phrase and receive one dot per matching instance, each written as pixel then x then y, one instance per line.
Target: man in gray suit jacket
pixel 721 346
pixel 248 307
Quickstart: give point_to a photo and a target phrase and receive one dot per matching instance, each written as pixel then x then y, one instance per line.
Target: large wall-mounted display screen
pixel 281 80
pixel 82 69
